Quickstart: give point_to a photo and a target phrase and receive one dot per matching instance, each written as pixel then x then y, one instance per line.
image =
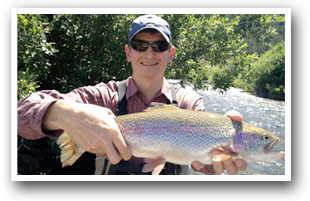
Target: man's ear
pixel 128 53
pixel 171 53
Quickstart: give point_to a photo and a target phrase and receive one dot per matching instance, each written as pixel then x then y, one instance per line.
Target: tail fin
pixel 70 152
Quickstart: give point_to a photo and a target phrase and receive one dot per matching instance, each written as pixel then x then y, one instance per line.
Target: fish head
pixel 256 145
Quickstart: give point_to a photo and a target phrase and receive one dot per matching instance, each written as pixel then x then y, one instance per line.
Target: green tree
pixel 216 40
pixel 91 50
pixel 261 32
pixel 33 48
pixel 266 76
pixel 69 51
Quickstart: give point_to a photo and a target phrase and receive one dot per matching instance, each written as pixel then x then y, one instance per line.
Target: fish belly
pixel 179 144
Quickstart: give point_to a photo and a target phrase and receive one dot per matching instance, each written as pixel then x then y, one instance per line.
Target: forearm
pixel 52 119
pixel 60 113
pixel 30 112
pixel 33 109
pixel 41 115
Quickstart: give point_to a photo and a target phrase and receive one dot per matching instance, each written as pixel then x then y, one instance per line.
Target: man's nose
pixel 150 52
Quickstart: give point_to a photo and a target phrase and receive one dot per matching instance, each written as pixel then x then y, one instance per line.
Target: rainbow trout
pixel 182 136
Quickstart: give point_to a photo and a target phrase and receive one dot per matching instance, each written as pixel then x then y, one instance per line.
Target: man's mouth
pixel 149 63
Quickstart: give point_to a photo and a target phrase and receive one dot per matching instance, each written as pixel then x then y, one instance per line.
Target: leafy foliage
pixel 266 76
pixel 270 73
pixel 91 50
pixel 26 83
pixel 33 46
pixel 261 32
pixel 69 51
pixel 205 37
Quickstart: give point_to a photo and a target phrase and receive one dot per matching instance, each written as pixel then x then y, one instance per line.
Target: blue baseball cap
pixel 150 22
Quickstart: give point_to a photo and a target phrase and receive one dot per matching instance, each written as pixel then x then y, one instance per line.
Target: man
pixel 87 113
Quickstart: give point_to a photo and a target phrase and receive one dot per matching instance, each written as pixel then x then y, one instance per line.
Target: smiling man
pixel 87 113
pixel 149 64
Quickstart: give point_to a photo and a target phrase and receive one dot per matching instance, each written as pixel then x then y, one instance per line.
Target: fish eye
pixel 265 136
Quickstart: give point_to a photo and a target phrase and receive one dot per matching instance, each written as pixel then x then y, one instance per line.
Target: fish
pixel 165 133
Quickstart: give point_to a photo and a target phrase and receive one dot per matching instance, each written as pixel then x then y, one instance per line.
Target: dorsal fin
pixel 155 106
pixel 238 126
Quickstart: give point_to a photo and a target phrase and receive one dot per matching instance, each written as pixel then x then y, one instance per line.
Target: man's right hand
pixel 91 127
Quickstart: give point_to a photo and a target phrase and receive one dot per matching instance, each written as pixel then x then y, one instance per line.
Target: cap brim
pixel 151 27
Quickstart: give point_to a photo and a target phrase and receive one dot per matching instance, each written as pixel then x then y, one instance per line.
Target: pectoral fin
pixel 154 165
pixel 221 157
pixel 70 152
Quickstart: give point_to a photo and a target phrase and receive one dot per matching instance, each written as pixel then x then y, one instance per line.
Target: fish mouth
pixel 268 148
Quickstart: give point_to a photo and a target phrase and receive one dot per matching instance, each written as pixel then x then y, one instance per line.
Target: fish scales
pixel 183 136
pixel 180 136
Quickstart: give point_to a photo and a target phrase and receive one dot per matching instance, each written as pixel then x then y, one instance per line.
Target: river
pixel 265 113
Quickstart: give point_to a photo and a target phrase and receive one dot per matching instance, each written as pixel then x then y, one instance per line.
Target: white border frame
pixel 285 177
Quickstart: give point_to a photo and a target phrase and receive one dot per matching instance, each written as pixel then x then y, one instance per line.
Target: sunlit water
pixel 265 113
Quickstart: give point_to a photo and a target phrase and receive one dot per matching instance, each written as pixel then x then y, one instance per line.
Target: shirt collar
pixel 132 89
pixel 166 90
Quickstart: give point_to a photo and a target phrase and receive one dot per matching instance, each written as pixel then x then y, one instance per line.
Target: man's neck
pixel 149 87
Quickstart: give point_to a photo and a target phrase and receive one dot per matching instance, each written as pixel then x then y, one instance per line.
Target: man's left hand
pixel 218 167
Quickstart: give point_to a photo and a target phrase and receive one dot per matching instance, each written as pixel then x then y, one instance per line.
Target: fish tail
pixel 69 151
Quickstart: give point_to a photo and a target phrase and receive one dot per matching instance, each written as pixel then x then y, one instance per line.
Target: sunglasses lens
pixel 140 46
pixel 160 46
pixel 157 46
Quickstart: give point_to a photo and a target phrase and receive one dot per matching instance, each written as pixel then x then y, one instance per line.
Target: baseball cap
pixel 150 22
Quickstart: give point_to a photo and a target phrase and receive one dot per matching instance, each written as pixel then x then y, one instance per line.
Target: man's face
pixel 149 64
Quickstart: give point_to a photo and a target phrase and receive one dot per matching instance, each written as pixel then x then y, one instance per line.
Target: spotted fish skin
pixel 179 136
pixel 183 136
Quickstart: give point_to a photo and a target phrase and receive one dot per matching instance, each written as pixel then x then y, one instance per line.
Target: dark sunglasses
pixel 142 45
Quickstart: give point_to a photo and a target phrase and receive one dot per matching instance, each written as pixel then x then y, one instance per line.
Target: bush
pixel 34 49
pixel 266 76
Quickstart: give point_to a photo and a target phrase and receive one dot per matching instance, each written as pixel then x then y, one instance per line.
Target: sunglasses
pixel 142 45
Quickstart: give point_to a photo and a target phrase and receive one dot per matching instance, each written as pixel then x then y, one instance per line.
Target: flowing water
pixel 265 113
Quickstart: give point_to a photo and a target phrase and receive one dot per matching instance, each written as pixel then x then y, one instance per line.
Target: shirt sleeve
pixel 188 99
pixel 31 110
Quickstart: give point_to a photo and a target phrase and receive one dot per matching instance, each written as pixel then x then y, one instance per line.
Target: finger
pixel 96 148
pixel 118 139
pixel 112 153
pixel 241 164
pixel 230 167
pixel 83 142
pixel 121 146
pixel 208 170
pixel 217 165
pixel 196 165
pixel 234 115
